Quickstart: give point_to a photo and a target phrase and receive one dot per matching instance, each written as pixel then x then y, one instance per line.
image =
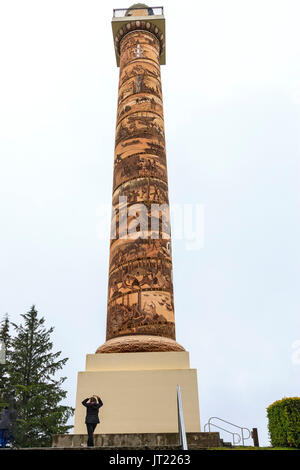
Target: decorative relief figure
pixel 125 251
pixel 140 124
pixel 145 190
pixel 138 51
pixel 138 313
pixel 146 84
pixel 138 83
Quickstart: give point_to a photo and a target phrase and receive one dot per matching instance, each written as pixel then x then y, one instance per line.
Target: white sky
pixel 232 100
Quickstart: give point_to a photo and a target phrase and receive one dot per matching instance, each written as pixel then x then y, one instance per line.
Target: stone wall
pixel 197 440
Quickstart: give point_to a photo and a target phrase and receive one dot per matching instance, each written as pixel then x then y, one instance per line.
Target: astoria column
pixel 138 382
pixel 140 310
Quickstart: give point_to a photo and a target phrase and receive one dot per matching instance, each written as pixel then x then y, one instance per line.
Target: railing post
pixel 181 426
pixel 254 435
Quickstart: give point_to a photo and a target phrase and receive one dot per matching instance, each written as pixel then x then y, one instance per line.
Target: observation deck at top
pixel 139 17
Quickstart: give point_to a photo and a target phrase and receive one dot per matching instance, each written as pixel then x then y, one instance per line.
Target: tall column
pixel 140 313
pixel 139 389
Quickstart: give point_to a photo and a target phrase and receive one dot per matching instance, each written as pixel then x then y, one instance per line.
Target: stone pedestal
pixel 139 392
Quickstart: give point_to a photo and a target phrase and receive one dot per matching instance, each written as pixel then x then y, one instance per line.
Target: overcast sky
pixel 231 91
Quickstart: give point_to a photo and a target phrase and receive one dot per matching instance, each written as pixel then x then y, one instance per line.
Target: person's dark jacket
pixel 92 411
pixel 5 422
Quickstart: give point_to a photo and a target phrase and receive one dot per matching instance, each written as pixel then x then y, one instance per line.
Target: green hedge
pixel 284 422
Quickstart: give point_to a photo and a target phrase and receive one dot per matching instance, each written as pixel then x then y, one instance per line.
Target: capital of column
pixel 139 26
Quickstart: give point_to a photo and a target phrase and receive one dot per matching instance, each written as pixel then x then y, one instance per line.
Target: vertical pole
pixel 2 352
pixel 254 435
pixel 181 425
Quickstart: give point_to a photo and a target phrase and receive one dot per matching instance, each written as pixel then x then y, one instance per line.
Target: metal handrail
pixel 242 428
pixel 226 430
pixel 181 425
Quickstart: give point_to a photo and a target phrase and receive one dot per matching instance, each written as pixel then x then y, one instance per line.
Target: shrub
pixel 284 422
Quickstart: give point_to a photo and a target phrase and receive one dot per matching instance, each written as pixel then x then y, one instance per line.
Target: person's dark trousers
pixel 90 430
pixel 3 437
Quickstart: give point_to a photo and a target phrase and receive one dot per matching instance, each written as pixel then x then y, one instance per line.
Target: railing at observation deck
pixel 120 12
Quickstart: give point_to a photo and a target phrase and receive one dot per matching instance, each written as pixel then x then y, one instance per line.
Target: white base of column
pixel 139 392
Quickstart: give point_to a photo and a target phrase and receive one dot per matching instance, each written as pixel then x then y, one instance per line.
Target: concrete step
pixel 225 444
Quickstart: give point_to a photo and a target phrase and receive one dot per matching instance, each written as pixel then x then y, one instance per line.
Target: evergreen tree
pixel 5 392
pixel 37 390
